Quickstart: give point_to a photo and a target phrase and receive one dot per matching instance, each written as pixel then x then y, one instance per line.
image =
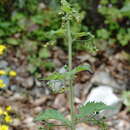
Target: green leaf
pixel 52 114
pixel 92 107
pixel 81 68
pixel 67 75
pixel 65 6
pixel 103 33
pixel 13 41
pixel 126 98
pixel 44 53
pixel 59 33
pixel 55 76
pixel 126 9
pixel 82 34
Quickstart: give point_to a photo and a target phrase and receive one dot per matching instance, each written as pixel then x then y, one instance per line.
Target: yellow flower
pixel 8 119
pixel 1 111
pixel 1 81
pixel 12 73
pixel 5 113
pixel 2 72
pixel 8 108
pixel 2 84
pixel 2 49
pixel 4 127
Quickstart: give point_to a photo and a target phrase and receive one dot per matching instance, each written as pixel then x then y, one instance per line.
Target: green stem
pixel 71 96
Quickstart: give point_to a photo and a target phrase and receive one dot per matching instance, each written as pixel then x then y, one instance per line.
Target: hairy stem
pixel 71 95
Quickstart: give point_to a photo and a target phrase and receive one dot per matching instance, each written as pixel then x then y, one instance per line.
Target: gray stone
pixel 38 83
pixel 38 92
pixel 25 82
pixel 28 82
pixel 106 95
pixel 3 64
pixel 104 78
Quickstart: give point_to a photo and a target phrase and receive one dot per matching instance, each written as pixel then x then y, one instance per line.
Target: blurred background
pixel 33 51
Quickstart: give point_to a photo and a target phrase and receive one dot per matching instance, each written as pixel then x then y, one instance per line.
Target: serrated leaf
pixel 52 114
pixel 81 68
pixel 92 107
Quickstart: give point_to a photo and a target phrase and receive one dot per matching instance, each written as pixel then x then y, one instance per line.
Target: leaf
pixel 13 41
pixel 126 98
pixel 52 114
pixel 81 68
pixel 55 76
pixel 65 6
pixel 88 36
pixel 59 33
pixel 67 75
pixel 44 53
pixel 81 34
pixel 126 9
pixel 92 107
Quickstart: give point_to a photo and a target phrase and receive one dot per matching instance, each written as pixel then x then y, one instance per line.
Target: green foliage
pixel 91 108
pixel 126 98
pixel 69 16
pixel 126 10
pixel 68 75
pixel 81 68
pixel 103 34
pixel 115 23
pixel 29 21
pixel 52 114
pixel 84 115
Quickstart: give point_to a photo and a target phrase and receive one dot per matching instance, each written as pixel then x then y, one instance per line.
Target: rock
pixel 83 126
pixel 37 109
pixel 39 91
pixel 40 101
pixel 16 122
pixel 17 97
pixel 27 83
pixel 16 88
pixel 59 101
pixel 29 121
pixel 86 57
pixel 38 83
pixel 106 95
pixel 62 70
pixel 3 64
pixel 22 70
pixel 78 89
pixel 104 78
pixel 119 124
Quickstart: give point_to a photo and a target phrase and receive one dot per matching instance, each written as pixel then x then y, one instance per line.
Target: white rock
pixel 106 95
